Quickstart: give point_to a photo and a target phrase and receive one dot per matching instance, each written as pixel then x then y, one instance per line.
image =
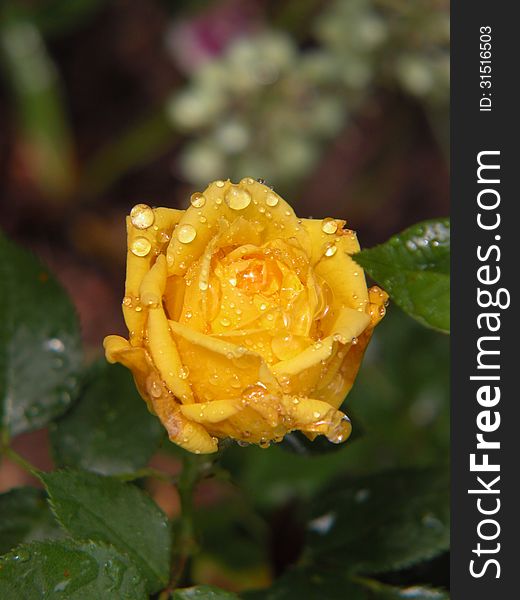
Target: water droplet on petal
pixel 183 373
pixel 219 183
pixel 153 387
pixel 198 200
pixel 237 198
pixel 186 234
pixel 141 246
pixel 330 250
pixel 329 226
pixel 142 216
pixel 271 199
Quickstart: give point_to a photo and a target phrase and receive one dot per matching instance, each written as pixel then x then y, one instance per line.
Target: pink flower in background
pixel 192 42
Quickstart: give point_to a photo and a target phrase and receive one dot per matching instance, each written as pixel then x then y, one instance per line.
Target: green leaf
pixel 274 476
pixel 71 570
pixel 109 430
pixel 245 531
pixel 314 583
pixel 25 516
pixel 382 522
pixel 40 343
pixel 414 268
pixel 310 584
pixel 104 509
pixel 203 592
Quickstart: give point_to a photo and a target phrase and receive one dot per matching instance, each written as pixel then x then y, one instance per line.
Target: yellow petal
pixel 183 432
pixel 314 416
pixel 166 356
pixel 154 283
pixel 248 200
pixel 211 412
pixel 345 277
pixel 218 369
pixel 157 237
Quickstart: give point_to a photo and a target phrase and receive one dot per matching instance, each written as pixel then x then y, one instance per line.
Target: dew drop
pixel 225 322
pixel 340 431
pixel 186 234
pixel 330 250
pixel 142 216
pixel 163 237
pixel 21 555
pixel 198 200
pixel 219 183
pixel 141 246
pixel 271 199
pixel 54 345
pixel 183 373
pixel 247 181
pixel 329 226
pixel 127 301
pixel 153 387
pixel 237 198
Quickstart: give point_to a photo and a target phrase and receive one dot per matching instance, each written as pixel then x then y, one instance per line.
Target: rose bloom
pixel 244 321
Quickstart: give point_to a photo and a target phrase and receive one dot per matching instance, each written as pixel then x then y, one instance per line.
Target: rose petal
pixel 270 222
pixel 166 356
pixel 218 368
pixel 211 412
pixel 345 277
pixel 165 220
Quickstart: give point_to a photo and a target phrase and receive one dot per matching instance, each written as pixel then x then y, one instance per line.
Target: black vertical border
pixel 473 131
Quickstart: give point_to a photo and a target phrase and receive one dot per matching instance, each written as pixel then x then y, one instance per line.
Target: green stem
pixel 194 469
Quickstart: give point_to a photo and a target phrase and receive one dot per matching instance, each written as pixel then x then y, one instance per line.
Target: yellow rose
pixel 244 321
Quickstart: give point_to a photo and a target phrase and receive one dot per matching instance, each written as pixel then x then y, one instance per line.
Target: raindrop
pixel 323 524
pixel 271 199
pixel 186 234
pixel 237 198
pixel 142 216
pixel 329 226
pixel 54 345
pixel 330 250
pixel 198 200
pixel 153 387
pixel 21 555
pixel 183 373
pixel 141 246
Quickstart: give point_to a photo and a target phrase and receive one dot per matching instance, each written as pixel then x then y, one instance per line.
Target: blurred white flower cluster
pixel 264 107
